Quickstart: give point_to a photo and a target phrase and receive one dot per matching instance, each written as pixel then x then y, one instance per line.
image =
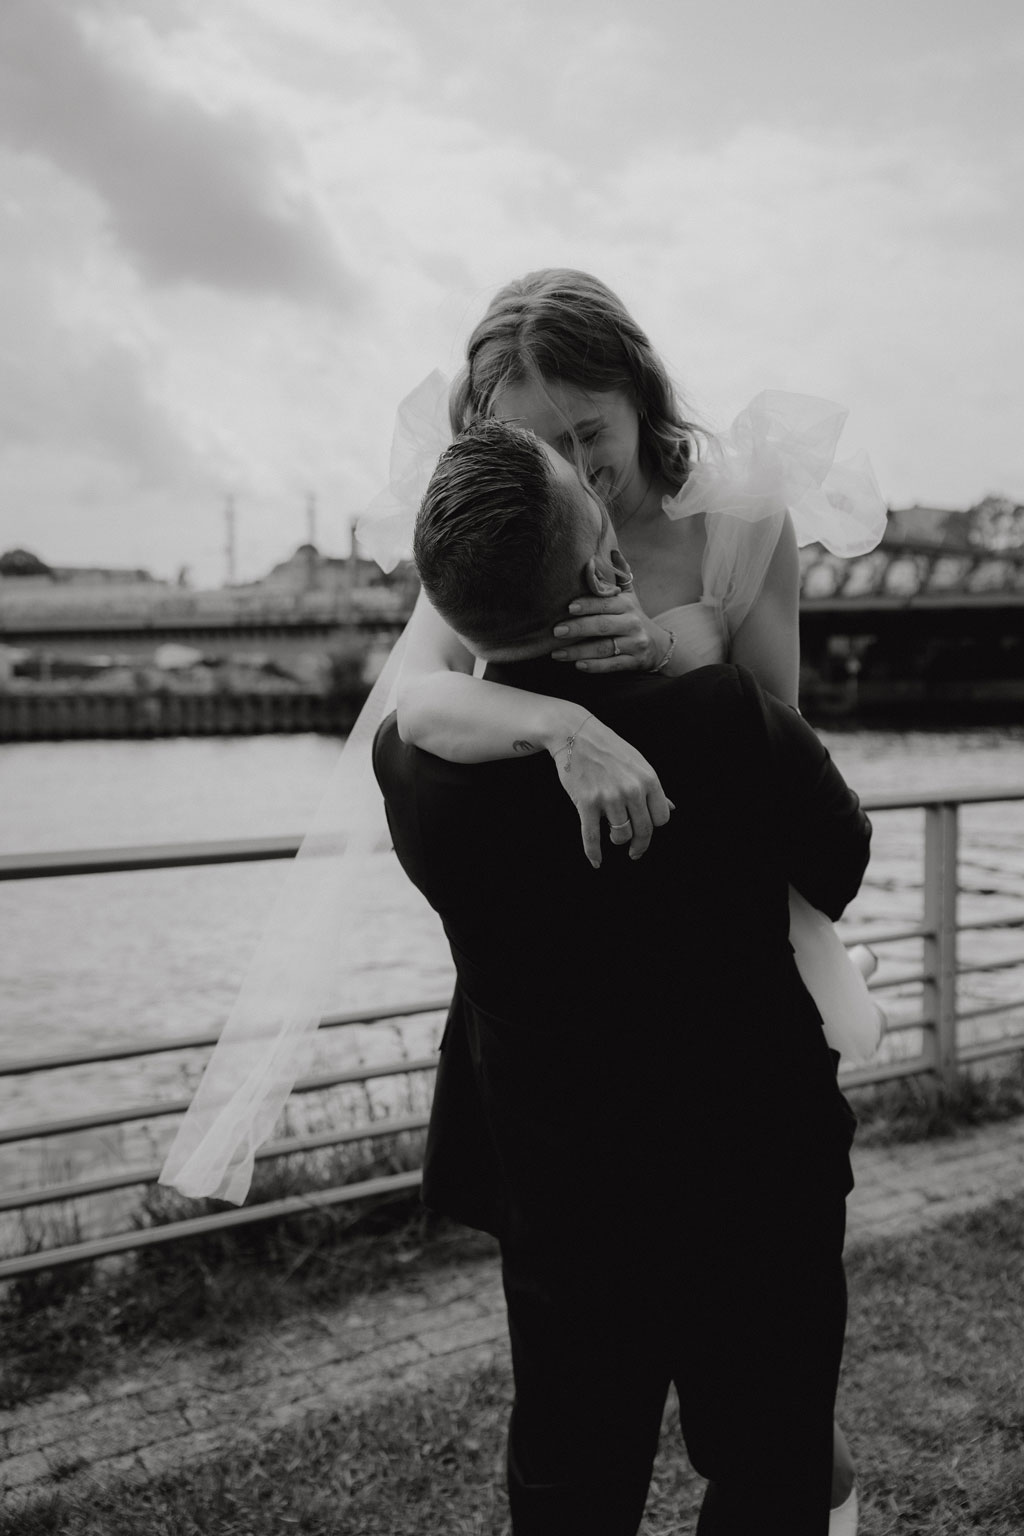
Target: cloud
pixel 76 370
pixel 194 194
pixel 830 263
pixel 194 185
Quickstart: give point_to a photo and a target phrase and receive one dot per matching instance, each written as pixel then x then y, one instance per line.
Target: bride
pixel 711 543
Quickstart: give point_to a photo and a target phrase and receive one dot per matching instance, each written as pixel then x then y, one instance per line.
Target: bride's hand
pixel 611 634
pixel 609 780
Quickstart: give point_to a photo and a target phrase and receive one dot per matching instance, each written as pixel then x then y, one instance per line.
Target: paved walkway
pixel 168 1407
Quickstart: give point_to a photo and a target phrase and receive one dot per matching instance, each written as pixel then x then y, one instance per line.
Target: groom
pixel 634 1094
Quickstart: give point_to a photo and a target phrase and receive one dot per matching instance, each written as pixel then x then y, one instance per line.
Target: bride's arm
pixel 767 643
pixel 445 710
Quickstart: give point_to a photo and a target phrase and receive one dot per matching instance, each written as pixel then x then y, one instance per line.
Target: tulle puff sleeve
pixel 777 457
pixel 779 453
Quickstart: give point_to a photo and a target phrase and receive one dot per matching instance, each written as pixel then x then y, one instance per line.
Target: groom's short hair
pixel 497 540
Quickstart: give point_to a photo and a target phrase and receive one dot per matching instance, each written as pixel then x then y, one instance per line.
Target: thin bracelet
pixel 570 742
pixel 663 663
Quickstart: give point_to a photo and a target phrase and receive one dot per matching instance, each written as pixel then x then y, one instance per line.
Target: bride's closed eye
pixel 569 442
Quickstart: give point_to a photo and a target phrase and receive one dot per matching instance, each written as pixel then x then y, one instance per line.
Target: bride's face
pixel 606 426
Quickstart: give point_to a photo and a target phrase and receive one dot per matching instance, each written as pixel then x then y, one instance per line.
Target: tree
pixel 997 523
pixel 21 562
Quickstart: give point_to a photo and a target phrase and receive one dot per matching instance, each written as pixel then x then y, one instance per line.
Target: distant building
pixel 106 576
pixel 22 564
pixel 307 570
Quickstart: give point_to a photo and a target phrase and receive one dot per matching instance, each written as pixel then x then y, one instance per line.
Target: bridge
pixel 929 627
pixel 217 623
pixel 910 575
pixel 962 588
pixel 909 623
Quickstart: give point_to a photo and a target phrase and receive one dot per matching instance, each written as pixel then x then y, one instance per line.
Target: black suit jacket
pixel 636 1038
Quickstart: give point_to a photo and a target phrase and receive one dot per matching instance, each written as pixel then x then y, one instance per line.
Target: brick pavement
pixel 163 1408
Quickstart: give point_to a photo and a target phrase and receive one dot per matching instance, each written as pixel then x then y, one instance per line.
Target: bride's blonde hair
pixel 559 325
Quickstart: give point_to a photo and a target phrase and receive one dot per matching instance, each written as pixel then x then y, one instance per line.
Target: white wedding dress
pixel 853 1023
pixel 778 457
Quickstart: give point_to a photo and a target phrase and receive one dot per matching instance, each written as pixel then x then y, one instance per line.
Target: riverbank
pixel 66 1325
pixel 55 713
pixel 73 715
pixel 158 1417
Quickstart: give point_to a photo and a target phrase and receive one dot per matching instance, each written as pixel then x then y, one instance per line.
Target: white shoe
pixel 843 1520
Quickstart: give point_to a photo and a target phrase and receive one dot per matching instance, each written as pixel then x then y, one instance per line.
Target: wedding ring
pixel 615 646
pixel 617 826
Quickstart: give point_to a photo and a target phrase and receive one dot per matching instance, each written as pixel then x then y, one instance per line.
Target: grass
pixel 910 1109
pixel 932 1399
pixel 68 1325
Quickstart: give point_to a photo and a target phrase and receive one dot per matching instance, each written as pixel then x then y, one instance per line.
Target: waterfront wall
pixel 62 714
pixel 67 714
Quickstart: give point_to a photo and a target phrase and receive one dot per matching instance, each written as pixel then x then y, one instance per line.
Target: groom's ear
pixel 599 576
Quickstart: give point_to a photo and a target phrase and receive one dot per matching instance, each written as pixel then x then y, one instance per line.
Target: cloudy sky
pixel 233 233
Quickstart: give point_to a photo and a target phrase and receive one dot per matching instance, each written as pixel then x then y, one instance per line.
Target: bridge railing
pixel 938 1020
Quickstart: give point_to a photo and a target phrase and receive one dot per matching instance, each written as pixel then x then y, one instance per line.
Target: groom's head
pixel 507 535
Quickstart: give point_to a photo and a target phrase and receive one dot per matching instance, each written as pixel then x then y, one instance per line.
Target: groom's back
pixel 496 848
pixel 660 991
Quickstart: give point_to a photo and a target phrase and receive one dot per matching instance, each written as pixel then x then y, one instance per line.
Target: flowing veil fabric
pixel 295 975
pixel 778 456
pixel 293 978
pixel 421 436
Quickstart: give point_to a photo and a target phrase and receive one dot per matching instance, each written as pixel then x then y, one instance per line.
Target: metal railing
pixel 941 1056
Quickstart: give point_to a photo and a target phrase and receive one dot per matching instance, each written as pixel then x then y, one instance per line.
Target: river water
pixel 109 959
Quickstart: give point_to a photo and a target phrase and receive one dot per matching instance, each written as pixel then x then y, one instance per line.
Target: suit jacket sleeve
pixel 826 835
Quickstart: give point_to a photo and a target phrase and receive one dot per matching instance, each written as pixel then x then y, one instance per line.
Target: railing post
pixel 940 915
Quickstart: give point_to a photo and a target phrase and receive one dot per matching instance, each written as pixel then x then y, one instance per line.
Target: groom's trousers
pixel 743 1310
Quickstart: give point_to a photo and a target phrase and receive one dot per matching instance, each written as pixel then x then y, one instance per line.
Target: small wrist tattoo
pixel 525 746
